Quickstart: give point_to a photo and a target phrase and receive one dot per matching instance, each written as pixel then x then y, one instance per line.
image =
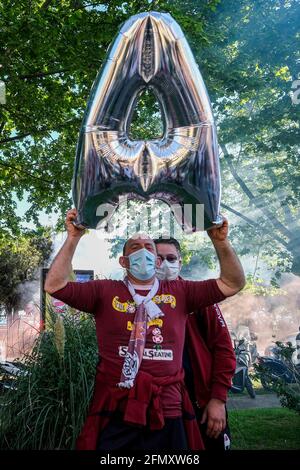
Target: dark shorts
pixel 118 435
pixel 222 442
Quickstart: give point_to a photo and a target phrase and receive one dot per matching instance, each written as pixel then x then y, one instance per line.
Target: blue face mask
pixel 142 264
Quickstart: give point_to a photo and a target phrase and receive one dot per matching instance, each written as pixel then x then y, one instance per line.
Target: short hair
pixel 169 241
pixel 136 235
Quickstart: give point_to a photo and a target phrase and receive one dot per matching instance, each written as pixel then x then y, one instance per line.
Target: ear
pixel 157 262
pixel 124 262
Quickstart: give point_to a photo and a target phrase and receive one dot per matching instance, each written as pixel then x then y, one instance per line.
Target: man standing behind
pixel 208 357
pixel 140 400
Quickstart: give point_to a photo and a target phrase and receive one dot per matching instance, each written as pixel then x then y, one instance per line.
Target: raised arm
pixel 60 269
pixel 232 278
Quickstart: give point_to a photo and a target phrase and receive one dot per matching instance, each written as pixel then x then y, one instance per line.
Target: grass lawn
pixel 264 428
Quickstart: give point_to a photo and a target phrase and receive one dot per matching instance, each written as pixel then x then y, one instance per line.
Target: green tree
pixel 248 53
pixel 20 258
pixel 50 54
pixel 256 50
pixel 249 59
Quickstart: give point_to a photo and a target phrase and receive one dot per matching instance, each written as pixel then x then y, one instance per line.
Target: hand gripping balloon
pixel 182 168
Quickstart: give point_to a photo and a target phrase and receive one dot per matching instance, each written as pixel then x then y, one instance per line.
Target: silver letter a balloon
pixel 182 168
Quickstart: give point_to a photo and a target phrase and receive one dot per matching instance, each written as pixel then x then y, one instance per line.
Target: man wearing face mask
pixel 140 399
pixel 208 358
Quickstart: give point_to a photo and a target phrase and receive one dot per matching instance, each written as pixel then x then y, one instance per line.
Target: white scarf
pixel 146 308
pixel 153 311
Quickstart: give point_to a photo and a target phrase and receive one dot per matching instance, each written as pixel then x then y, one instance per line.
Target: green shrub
pixel 288 393
pixel 49 406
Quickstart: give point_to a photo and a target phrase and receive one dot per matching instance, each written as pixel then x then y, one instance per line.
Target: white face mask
pixel 142 264
pixel 168 271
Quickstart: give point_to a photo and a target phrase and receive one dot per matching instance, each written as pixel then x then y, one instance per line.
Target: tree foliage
pixel 50 54
pixel 248 53
pixel 257 53
pixel 288 391
pixel 20 258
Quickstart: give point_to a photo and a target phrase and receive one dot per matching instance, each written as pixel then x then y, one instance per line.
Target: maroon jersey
pixel 114 311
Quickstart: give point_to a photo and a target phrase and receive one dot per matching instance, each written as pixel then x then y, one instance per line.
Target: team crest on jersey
pixel 129 306
pixel 165 299
pixel 125 307
pixel 156 322
pixel 157 339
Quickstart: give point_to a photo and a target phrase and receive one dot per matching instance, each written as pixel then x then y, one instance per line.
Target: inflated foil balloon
pixel 182 168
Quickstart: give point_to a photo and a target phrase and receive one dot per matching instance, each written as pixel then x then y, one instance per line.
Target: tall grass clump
pixel 48 407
